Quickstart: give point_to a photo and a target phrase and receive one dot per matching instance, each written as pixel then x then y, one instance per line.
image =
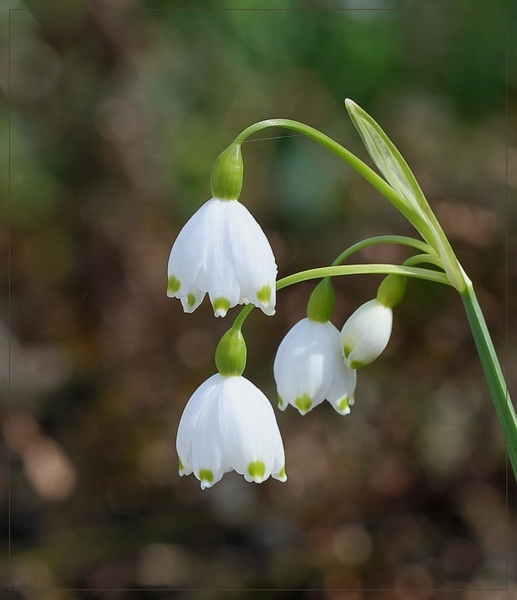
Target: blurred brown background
pixel 116 117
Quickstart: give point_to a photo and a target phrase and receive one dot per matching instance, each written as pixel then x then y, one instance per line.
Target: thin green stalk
pixel 493 373
pixel 383 239
pixel 242 316
pixel 418 259
pixel 382 269
pixel 417 219
pixel 336 271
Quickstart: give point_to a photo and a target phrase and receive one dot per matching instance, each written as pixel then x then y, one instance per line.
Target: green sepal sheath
pixel 322 302
pixel 227 174
pixel 231 352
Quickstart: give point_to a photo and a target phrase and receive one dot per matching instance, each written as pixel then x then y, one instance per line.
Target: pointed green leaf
pixel 388 159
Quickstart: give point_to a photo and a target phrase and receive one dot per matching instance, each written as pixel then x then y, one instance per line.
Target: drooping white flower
pixel 228 424
pixel 309 368
pixel 366 333
pixel 222 251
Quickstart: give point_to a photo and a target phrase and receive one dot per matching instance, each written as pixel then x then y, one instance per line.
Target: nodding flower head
pixel 309 368
pixel 228 424
pixel 366 333
pixel 222 251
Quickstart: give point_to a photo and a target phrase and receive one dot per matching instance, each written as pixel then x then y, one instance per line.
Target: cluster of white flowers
pixel 228 423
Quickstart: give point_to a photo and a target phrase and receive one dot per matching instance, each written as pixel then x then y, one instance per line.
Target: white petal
pixel 287 361
pixel 249 431
pixel 208 462
pixel 366 333
pixel 342 393
pixel 219 278
pixel 189 419
pixel 252 257
pixel 192 299
pixel 189 252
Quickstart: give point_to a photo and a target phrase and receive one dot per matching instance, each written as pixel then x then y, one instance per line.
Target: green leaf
pixel 397 173
pixel 388 159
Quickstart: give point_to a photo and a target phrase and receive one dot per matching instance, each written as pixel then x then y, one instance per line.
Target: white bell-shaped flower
pixel 366 333
pixel 309 368
pixel 228 424
pixel 222 251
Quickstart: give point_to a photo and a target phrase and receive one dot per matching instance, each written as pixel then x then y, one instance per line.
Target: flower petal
pixel 252 257
pixel 249 431
pixel 188 422
pixel 192 299
pixel 190 249
pixel 208 461
pixel 341 396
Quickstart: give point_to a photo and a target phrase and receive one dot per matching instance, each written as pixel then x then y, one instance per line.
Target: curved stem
pixel 383 239
pixel 418 259
pixel 383 269
pixel 493 373
pixel 417 219
pixel 336 271
pixel 242 316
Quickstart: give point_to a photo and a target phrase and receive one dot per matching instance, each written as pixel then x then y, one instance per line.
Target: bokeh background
pixel 115 119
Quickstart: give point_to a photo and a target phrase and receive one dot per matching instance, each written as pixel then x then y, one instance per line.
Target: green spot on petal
pixel 206 475
pixel 280 401
pixel 191 299
pixel 264 294
pixel 343 405
pixel 221 304
pixel 173 284
pixel 257 469
pixel 346 350
pixel 282 473
pixel 357 364
pixel 303 403
pixel 181 465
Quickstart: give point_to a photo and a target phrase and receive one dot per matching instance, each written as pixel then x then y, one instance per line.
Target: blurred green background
pixel 115 119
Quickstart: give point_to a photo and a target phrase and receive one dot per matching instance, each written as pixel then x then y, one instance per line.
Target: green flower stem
pixel 493 373
pixel 338 270
pixel 383 239
pixel 418 259
pixel 417 219
pixel 382 269
pixel 242 316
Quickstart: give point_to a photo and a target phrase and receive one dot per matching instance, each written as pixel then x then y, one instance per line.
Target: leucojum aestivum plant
pixel 228 423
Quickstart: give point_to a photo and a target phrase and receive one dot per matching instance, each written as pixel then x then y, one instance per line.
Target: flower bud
pixel 366 333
